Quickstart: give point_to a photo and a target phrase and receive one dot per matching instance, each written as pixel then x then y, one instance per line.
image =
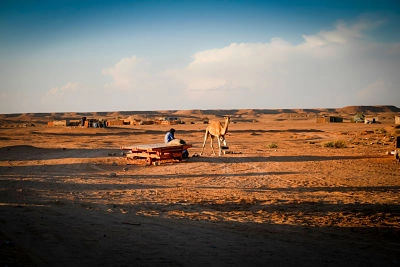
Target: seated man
pixel 169 136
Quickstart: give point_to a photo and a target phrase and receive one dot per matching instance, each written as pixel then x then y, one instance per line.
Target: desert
pixel 289 191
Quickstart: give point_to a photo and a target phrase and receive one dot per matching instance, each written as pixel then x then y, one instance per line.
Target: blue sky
pixel 70 55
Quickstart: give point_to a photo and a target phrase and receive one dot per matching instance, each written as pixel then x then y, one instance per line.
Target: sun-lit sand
pixel 279 196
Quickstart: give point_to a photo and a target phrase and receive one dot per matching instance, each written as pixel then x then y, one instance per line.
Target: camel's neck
pixel 225 128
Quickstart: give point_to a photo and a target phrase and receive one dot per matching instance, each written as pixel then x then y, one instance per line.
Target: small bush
pixel 272 145
pixel 380 131
pixel 336 144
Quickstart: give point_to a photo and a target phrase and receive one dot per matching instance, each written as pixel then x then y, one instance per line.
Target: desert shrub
pixel 359 117
pixel 205 120
pixel 335 144
pixel 272 145
pixel 380 131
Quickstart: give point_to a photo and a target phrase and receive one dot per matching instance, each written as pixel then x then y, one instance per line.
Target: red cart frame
pixel 156 153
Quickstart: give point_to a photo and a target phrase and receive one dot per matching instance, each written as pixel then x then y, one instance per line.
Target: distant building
pixel 63 123
pixel 169 120
pixel 117 123
pixel 56 123
pixel 397 119
pixel 370 120
pixel 329 119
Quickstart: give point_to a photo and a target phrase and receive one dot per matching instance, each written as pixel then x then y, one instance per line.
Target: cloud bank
pixel 63 90
pixel 334 68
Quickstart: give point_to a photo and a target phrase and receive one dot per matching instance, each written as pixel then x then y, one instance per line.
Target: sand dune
pixel 192 113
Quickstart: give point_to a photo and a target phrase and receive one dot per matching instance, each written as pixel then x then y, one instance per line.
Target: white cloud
pixel 62 98
pixel 61 91
pixel 129 74
pixel 325 69
pixel 135 86
pixel 375 92
pixel 331 68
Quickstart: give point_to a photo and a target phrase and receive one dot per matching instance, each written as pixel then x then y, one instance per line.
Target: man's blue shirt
pixel 169 137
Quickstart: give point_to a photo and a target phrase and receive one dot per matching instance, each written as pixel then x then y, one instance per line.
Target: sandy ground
pixel 69 197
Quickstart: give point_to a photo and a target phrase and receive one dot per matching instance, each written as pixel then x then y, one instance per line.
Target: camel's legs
pixel 208 134
pixel 212 140
pixel 204 143
pixel 219 146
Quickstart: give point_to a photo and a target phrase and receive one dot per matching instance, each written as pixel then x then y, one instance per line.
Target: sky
pixel 87 55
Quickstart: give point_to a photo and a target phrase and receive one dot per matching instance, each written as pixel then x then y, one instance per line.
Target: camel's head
pixel 227 119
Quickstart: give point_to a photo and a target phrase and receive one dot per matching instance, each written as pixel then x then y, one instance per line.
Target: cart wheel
pixel 149 161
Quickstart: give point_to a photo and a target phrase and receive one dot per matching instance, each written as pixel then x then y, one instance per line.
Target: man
pixel 169 136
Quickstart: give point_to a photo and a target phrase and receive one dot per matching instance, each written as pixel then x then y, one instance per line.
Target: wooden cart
pixel 397 149
pixel 156 153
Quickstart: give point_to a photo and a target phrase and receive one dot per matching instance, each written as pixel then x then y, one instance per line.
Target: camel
pixel 215 129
